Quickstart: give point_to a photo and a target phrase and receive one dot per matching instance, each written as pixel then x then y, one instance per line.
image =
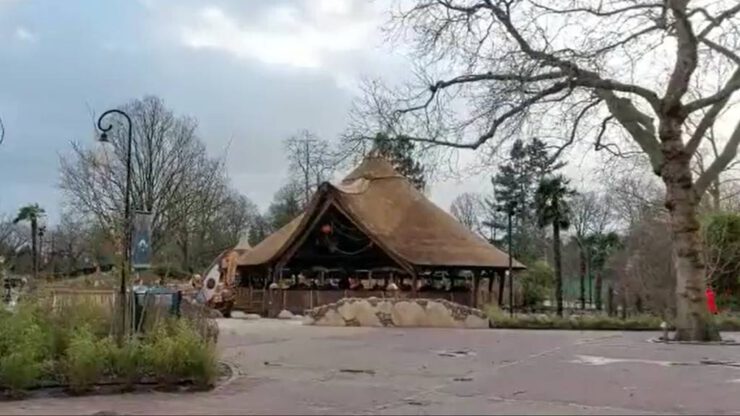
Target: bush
pixel 85 360
pixel 63 319
pixel 536 283
pixel 728 322
pixel 573 322
pixel 175 350
pixel 127 362
pixel 23 348
pixel 499 319
pixel 20 370
pixel 71 343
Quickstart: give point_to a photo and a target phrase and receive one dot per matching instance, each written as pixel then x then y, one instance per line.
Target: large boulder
pixel 285 314
pixel 476 322
pixel 439 316
pixel 407 313
pixel 397 312
pixel 330 318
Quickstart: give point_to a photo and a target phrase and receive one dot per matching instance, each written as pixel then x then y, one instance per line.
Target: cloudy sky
pixel 252 73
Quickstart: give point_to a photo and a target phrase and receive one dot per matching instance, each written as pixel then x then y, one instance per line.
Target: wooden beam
pixel 501 281
pixel 414 280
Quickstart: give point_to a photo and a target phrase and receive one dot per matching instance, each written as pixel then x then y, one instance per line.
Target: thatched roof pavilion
pixel 388 223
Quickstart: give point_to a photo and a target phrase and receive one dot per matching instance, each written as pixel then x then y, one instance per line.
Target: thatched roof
pixel 398 218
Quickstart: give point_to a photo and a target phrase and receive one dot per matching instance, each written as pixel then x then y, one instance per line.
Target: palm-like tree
pixel 552 206
pixel 32 213
pixel 601 246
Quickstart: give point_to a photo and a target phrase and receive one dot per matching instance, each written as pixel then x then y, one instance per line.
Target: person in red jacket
pixel 711 302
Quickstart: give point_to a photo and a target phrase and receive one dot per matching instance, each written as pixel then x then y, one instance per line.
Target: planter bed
pixel 118 386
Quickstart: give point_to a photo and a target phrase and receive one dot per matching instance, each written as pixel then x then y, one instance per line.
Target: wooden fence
pixel 66 296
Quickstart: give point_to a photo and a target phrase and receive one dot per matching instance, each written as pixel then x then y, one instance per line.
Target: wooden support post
pixel 413 285
pixel 501 280
pixel 474 290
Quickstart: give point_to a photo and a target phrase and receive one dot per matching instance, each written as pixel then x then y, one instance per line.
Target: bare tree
pixel 590 215
pixel 170 170
pixel 69 243
pixel 311 161
pixel 13 237
pixel 561 69
pixel 468 209
pixel 643 272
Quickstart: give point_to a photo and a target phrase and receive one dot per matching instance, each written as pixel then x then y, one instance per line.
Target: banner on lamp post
pixel 141 239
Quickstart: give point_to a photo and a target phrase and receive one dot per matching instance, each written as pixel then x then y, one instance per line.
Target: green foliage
pixel 71 343
pixel 401 151
pixel 30 213
pixel 175 350
pixel 602 246
pixel 285 206
pixel 126 362
pixel 728 322
pixel 63 319
pixel 552 202
pixel 514 186
pixel 85 359
pixel 536 283
pixel 721 237
pixel 23 348
pixel 644 322
pixel 728 301
pixel 573 322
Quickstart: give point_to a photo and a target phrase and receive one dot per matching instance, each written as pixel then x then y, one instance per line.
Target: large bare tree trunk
pixel 597 289
pixel 693 320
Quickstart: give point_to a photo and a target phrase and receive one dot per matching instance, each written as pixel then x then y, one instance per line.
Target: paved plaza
pixel 283 367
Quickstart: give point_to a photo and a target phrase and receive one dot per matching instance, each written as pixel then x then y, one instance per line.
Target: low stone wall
pixel 398 313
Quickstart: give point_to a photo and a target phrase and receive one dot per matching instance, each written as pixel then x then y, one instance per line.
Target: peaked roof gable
pixel 407 225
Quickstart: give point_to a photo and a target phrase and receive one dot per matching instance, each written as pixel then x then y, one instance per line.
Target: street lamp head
pixel 104 138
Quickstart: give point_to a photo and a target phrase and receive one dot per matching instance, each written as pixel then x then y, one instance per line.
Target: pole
pixel 590 277
pixel 511 270
pixel 126 255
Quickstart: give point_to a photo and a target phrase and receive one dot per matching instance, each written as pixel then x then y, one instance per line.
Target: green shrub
pixel 85 359
pixel 20 370
pixel 728 322
pixel 66 317
pixel 127 362
pixel 24 345
pixel 71 342
pixel 177 351
pixel 536 283
pixel 573 322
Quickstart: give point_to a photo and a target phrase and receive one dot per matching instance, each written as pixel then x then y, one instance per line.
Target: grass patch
pixel 501 319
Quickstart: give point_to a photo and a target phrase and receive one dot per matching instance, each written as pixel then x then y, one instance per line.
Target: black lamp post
pixel 125 264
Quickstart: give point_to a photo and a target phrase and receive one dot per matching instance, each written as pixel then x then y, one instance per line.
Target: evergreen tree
pixel 552 207
pixel 400 150
pixel 515 184
pixel 32 213
pixel 285 206
pixel 600 246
